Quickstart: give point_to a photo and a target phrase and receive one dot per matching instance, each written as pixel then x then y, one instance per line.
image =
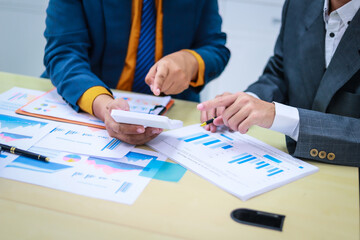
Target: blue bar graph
pixel 211 142
pixel 71 132
pixel 57 130
pixel 274 169
pixel 242 158
pixel 124 187
pixel 244 161
pixel 204 140
pixel 218 145
pixel 207 140
pixel 272 174
pixel 112 144
pixel 223 135
pixel 241 155
pixel 264 165
pixel 87 135
pixel 247 160
pixel 272 158
pixel 227 147
pixel 191 136
pixel 196 138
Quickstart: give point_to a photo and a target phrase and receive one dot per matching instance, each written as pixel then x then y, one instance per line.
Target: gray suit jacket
pixel 328 100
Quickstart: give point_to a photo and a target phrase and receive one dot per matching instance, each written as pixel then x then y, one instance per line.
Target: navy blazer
pixel 87 41
pixel 328 100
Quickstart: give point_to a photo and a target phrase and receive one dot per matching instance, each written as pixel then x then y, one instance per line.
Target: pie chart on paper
pixel 71 158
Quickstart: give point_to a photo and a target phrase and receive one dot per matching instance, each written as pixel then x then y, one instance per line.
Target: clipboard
pixel 51 106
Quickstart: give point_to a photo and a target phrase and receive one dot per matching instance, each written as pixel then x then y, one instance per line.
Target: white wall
pixel 251 25
pixel 22 23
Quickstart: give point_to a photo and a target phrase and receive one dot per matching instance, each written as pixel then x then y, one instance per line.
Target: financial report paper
pixel 122 181
pixel 239 164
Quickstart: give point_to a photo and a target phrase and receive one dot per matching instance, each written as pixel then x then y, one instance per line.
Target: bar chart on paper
pixel 240 164
pixel 17 97
pixel 266 162
pixel 52 105
pixel 85 140
pixel 206 140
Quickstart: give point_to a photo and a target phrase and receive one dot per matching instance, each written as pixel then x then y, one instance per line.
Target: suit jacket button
pixel 314 152
pixel 331 156
pixel 322 154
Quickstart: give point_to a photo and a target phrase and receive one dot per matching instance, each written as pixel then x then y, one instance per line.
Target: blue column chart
pixel 238 163
pixel 85 140
pixel 206 140
pixel 266 162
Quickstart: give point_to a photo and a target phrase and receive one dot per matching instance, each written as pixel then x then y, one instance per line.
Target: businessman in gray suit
pixel 310 88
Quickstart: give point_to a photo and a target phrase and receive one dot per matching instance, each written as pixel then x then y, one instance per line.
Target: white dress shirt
pixel 286 117
pixel 336 24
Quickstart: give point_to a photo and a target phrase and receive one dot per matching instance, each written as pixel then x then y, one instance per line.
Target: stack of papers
pixel 84 160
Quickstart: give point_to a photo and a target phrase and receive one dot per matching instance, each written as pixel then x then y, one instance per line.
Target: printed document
pixel 22 132
pixel 84 140
pixel 52 106
pixel 239 164
pixel 121 181
pixel 17 97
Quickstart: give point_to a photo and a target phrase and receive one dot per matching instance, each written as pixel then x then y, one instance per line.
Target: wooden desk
pixel 324 205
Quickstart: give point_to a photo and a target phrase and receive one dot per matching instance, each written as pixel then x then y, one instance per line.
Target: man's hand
pixel 241 111
pixel 132 134
pixel 211 113
pixel 172 74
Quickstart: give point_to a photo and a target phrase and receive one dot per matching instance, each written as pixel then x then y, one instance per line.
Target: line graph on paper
pixel 19 132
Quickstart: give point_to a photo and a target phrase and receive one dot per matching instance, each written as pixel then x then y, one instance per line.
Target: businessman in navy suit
pixel 310 88
pixel 173 47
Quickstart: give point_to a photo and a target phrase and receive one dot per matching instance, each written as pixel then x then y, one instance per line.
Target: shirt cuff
pixel 286 120
pixel 86 100
pixel 253 94
pixel 200 77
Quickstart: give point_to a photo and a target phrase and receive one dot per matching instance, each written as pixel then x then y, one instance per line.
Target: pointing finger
pixel 162 72
pixel 150 76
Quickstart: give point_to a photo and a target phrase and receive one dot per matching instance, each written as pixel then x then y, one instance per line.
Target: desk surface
pixel 324 205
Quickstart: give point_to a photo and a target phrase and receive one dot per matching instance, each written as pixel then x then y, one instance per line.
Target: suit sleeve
pixel 67 50
pixel 327 138
pixel 210 41
pixel 271 86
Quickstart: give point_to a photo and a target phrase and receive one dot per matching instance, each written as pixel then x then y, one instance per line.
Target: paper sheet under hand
pixel 239 164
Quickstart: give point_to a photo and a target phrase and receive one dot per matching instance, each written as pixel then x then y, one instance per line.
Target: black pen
pixel 24 153
pixel 207 122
